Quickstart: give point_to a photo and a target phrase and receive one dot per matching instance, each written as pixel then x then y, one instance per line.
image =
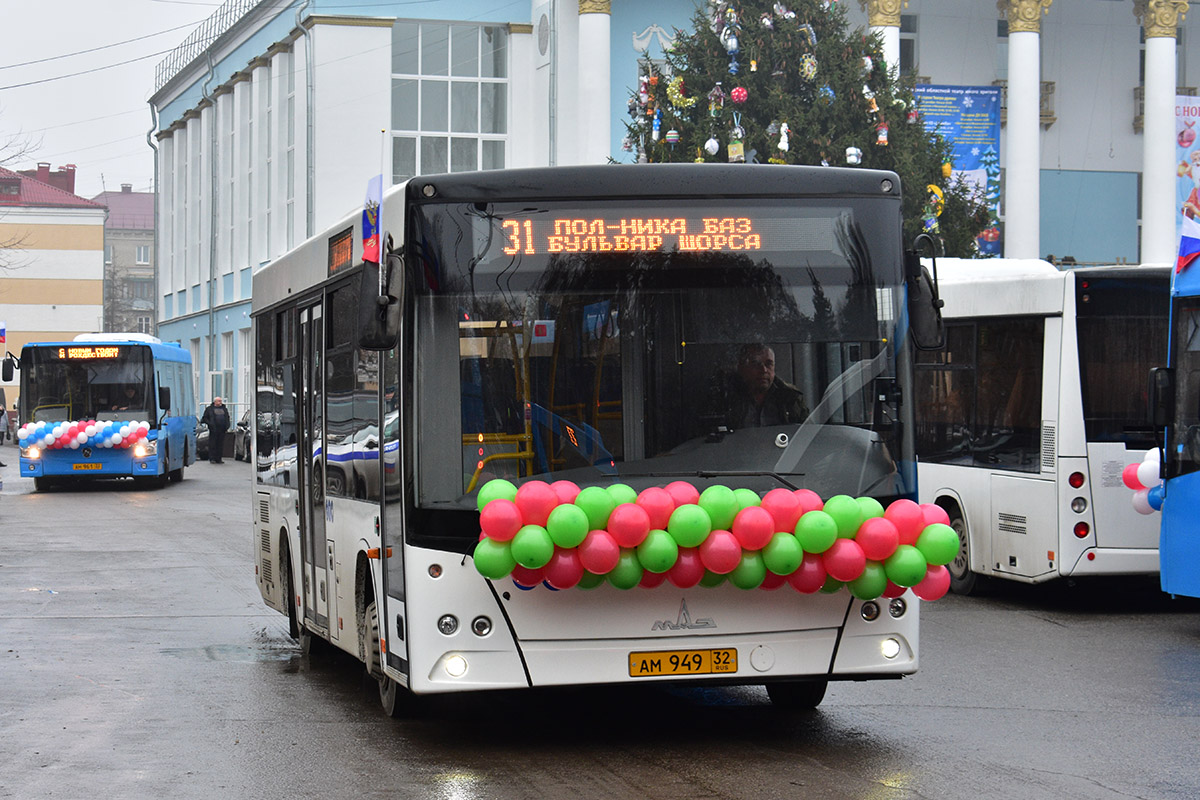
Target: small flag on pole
pixel 3 331
pixel 1189 251
pixel 370 219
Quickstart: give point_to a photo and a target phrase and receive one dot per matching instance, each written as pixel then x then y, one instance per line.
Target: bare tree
pixel 15 148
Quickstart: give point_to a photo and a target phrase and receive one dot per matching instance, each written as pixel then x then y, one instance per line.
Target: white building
pixel 273 116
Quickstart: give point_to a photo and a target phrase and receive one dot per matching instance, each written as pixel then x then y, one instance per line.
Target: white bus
pixel 571 324
pixel 1027 417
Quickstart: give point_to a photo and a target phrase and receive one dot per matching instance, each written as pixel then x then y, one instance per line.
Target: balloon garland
pixel 562 536
pixel 1145 480
pixel 65 435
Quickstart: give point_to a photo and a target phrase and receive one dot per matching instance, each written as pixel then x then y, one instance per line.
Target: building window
pixel 143 254
pixel 108 254
pixel 145 324
pixel 141 288
pixel 908 44
pixel 449 98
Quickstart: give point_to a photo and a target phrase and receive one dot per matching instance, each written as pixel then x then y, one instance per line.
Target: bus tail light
pixel 1082 529
pixel 1076 480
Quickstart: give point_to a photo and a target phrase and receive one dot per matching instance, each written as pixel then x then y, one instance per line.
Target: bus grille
pixel 264 510
pixel 1011 523
pixel 1048 443
pixel 268 574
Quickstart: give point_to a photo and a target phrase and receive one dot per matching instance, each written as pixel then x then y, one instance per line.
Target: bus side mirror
pixel 1162 396
pixel 8 369
pixel 164 398
pixel 379 312
pixel 924 304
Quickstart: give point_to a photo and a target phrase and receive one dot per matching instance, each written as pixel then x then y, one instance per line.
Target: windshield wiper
pixel 709 473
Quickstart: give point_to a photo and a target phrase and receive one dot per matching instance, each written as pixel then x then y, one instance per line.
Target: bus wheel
pixel 176 475
pixel 285 589
pixel 43 483
pixel 797 695
pixel 394 698
pixel 962 579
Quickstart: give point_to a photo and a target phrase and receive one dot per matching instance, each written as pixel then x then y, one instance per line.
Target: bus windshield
pixel 101 382
pixel 639 343
pixel 1122 332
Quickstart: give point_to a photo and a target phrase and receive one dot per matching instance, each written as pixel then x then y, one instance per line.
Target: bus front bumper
pixel 100 467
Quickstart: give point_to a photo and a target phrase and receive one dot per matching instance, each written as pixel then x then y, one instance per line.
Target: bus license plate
pixel 85 466
pixel 682 662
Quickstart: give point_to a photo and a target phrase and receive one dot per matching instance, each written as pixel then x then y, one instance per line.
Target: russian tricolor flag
pixel 370 219
pixel 1189 251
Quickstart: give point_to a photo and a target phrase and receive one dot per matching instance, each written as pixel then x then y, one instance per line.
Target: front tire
pixel 176 475
pixel 962 580
pixel 797 695
pixel 395 699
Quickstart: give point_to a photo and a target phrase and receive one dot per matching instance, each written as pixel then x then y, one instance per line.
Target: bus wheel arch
pixel 286 591
pixel 963 580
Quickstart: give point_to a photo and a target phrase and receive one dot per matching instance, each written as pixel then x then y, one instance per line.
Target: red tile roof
pixel 32 193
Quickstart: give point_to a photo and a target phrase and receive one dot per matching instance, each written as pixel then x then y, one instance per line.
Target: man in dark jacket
pixel 757 398
pixel 216 417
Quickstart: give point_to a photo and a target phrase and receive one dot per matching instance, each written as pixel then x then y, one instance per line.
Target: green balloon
pixel 597 504
pixel 722 506
pixel 622 493
pixel 938 543
pixel 712 579
pixel 628 571
pixel 832 585
pixel 906 566
pixel 846 513
pixel 750 572
pixel 532 547
pixel 495 489
pixel 871 584
pixel 590 580
pixel 747 498
pixel 689 525
pixel 870 507
pixel 493 559
pixel 816 531
pixel 567 525
pixel 658 552
pixel 783 553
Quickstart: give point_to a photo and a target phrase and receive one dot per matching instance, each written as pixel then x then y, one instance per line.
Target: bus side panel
pixel 1180 544
pixel 1024 525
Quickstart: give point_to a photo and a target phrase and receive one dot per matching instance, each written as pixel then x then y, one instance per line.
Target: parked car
pixel 201 442
pixel 241 438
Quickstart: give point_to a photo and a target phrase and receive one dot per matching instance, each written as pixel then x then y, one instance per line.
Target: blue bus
pixel 105 406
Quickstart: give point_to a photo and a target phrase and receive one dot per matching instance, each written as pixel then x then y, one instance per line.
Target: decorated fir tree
pixel 792 83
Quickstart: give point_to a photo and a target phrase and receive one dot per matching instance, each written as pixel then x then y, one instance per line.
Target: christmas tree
pixel 792 83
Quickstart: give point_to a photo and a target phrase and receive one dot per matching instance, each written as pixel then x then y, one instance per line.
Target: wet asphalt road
pixel 137 661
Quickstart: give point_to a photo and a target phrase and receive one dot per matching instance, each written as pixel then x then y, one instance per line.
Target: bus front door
pixel 312 466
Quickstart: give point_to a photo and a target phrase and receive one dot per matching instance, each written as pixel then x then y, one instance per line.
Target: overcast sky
pixel 96 121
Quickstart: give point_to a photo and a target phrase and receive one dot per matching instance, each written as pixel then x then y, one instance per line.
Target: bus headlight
pixel 33 453
pixel 146 447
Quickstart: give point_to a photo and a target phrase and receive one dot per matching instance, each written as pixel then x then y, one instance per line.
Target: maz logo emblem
pixel 683 622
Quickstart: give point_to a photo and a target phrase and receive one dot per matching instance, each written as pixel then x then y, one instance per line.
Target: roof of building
pixel 31 192
pixel 127 209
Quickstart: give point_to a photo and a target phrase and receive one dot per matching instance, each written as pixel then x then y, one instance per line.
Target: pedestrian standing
pixel 216 417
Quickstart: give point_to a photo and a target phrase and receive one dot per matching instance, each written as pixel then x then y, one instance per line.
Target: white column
pixel 883 16
pixel 891 45
pixel 595 111
pixel 1160 19
pixel 1022 193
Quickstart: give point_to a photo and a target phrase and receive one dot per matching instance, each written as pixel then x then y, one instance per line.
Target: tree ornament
pixel 809 33
pixel 827 94
pixel 784 144
pixel 737 152
pixel 782 11
pixel 872 106
pixel 754 65
pixel 881 134
pixel 657 124
pixel 712 146
pixel 853 156
pixel 627 144
pixel 808 66
pixel 867 65
pixel 773 128
pixel 768 22
pixel 739 94
pixel 675 93
pixel 716 99
pixel 672 138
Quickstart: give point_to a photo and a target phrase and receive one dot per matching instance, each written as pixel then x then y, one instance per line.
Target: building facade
pixel 51 259
pixel 129 282
pixel 273 116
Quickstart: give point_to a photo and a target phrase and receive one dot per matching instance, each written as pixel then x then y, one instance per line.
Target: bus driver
pixel 756 397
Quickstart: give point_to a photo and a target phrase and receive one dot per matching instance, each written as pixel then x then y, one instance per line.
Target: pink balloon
pixel 599 552
pixel 909 519
pixel 565 491
pixel 934 585
pixel 683 493
pixel 652 579
pixel 810 576
pixel 629 523
pixel 536 500
pixel 934 513
pixel 754 526
pixel 1129 477
pixel 809 501
pixel 878 538
pixel 500 520
pixel 564 570
pixel 773 581
pixel 893 590
pixel 523 576
pixel 658 504
pixel 784 507
pixel 845 560
pixel 688 569
pixel 720 552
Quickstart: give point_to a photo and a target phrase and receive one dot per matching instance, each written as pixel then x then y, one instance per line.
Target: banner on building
pixel 1187 157
pixel 969 118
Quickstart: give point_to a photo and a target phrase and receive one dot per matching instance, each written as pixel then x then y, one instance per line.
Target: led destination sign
pixel 636 234
pixel 86 352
